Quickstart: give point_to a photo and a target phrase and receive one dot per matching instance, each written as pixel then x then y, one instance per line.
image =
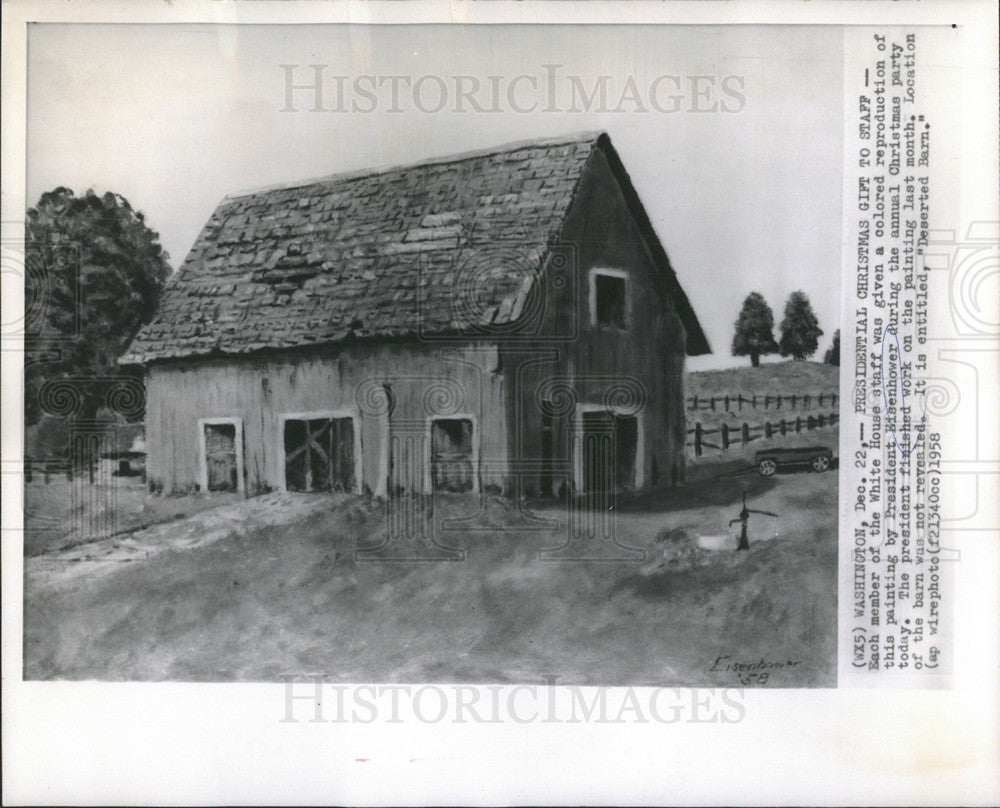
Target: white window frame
pixel 310 415
pixel 203 458
pixel 639 477
pixel 609 273
pixel 458 416
pixel 382 484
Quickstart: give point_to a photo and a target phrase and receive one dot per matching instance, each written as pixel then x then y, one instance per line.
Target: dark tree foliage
pixel 800 331
pixel 94 273
pixel 754 334
pixel 832 356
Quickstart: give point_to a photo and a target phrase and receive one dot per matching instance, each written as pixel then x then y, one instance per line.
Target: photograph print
pixel 480 354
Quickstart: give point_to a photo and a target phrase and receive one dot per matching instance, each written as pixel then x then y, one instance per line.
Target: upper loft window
pixel 609 297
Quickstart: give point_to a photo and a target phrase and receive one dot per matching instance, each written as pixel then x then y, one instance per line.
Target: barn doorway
pixel 610 444
pixel 319 454
pixel 452 455
pixel 221 443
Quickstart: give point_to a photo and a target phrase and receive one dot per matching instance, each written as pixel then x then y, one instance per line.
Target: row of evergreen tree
pixel 800 331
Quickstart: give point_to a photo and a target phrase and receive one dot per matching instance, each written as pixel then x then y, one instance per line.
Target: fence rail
pixel 791 401
pixel 729 436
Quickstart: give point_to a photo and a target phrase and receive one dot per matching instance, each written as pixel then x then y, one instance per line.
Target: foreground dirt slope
pixel 283 593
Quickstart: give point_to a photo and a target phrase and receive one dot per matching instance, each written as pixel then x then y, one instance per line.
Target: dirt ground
pixel 251 590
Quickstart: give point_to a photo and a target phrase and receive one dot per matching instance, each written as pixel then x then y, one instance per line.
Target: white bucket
pixel 719 542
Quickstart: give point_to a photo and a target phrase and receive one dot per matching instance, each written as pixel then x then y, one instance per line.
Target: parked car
pixel 768 461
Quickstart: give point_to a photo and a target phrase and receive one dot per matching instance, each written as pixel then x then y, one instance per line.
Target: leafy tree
pixel 832 356
pixel 754 334
pixel 94 273
pixel 800 330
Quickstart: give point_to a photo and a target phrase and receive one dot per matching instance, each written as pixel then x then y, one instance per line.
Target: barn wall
pixel 599 363
pixel 424 379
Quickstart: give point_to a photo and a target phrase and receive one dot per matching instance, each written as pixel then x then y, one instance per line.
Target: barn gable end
pixel 615 341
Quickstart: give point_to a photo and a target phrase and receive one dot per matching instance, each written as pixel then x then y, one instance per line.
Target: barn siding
pixel 426 379
pixel 652 351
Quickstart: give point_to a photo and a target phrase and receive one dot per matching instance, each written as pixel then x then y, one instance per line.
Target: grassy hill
pixel 257 589
pixel 781 378
pixel 784 378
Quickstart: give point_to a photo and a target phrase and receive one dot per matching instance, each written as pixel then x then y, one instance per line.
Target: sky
pixel 736 152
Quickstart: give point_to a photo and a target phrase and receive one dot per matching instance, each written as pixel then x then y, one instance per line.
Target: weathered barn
pixel 502 320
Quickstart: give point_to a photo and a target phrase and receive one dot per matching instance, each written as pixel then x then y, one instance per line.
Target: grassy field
pixel 786 378
pixel 250 591
pixel 783 378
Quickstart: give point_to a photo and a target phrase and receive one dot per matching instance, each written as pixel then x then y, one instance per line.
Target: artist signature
pixel 751 672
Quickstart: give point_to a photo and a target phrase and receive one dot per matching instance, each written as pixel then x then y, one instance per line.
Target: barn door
pixel 319 454
pixel 626 441
pixel 598 452
pixel 609 450
pixel 220 457
pixel 451 455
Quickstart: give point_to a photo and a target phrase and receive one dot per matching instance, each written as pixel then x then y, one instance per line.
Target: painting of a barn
pixel 505 320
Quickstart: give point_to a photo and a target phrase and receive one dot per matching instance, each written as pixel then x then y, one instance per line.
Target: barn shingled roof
pixel 375 254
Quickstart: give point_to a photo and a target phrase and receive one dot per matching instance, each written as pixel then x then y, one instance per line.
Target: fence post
pixel 805 402
pixel 822 419
pixel 767 401
pixel 810 423
pixel 767 430
pixel 739 402
pixel 697 438
pixel 694 403
pixel 819 400
pixel 746 433
pixel 798 424
pixel 725 437
pixel 727 402
pixel 782 426
pixel 754 401
pixel 778 397
pixel 711 403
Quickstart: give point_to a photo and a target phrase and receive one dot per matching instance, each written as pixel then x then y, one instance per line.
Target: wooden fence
pixel 730 436
pixel 767 402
